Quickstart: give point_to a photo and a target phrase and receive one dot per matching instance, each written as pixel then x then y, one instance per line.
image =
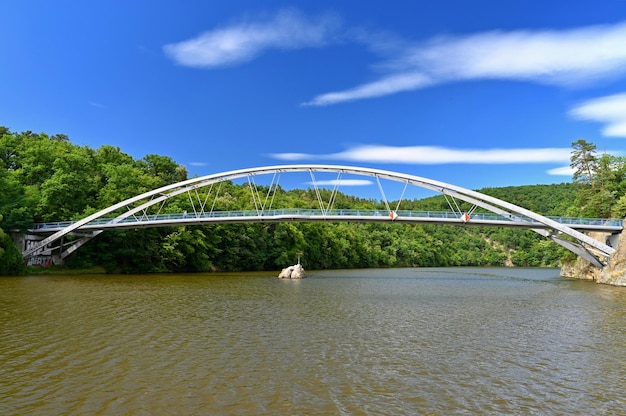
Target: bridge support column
pixel 44 258
pixel 613 240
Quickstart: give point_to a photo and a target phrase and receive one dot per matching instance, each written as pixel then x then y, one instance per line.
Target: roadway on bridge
pixel 346 215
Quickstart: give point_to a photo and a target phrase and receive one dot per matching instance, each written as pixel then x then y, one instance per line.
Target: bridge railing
pixel 334 212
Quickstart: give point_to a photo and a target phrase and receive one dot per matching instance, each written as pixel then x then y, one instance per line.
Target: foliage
pixel 47 178
pixel 543 199
pixel 11 262
pixel 601 180
pixel 584 162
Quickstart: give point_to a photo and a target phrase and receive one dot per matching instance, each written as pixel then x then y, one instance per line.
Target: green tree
pixel 72 187
pixel 619 209
pixel 187 249
pixel 584 162
pixel 602 181
pixel 48 177
pixel 164 168
pixel 11 261
pixel 288 241
pixel 123 181
pixel 9 145
pixel 17 207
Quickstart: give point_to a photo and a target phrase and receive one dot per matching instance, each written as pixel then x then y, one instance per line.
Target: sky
pixel 486 93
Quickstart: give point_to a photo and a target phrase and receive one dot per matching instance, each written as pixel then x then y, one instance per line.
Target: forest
pixel 47 178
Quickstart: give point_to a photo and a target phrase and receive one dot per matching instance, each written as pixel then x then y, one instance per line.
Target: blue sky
pixel 480 93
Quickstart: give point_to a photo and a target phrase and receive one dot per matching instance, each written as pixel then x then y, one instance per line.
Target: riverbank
pixel 61 270
pixel 614 273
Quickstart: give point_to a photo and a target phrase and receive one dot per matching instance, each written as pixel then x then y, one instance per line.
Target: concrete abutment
pixel 614 273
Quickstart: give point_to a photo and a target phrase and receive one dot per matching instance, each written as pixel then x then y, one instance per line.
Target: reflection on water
pixel 398 341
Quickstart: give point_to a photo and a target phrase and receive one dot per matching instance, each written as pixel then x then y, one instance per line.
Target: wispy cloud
pixel 568 57
pixel 434 155
pixel 609 110
pixel 390 85
pixel 342 182
pixel 562 171
pixel 244 41
pixel 198 164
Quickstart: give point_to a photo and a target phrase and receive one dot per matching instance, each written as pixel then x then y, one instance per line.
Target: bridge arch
pixel 592 250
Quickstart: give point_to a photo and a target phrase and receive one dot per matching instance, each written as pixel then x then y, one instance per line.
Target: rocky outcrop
pixel 292 272
pixel 614 273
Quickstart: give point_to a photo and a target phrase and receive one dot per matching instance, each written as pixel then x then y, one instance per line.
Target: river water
pixel 359 342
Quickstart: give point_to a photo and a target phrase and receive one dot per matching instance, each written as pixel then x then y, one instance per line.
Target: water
pixel 364 342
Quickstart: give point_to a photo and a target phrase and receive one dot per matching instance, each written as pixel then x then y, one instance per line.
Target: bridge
pixel 466 207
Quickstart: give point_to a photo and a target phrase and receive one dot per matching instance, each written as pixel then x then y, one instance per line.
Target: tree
pixel 610 176
pixel 187 249
pixel 122 182
pixel 72 187
pixel 602 179
pixel 584 162
pixel 619 209
pixel 164 168
pixel 17 208
pixel 11 261
pixel 47 177
pixel 9 144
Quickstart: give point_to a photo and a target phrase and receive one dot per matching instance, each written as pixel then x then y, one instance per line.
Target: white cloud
pixel 562 171
pixel 387 86
pixel 291 156
pixel 244 41
pixel 610 110
pixel 569 57
pixel 198 164
pixel 342 182
pixel 433 155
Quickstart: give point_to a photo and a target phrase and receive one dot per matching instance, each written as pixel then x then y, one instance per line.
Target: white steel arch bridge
pixel 147 209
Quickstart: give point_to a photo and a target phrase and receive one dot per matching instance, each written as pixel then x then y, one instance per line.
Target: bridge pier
pixel 612 240
pixel 44 257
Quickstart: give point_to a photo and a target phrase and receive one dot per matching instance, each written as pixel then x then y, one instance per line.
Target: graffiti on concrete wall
pixel 40 261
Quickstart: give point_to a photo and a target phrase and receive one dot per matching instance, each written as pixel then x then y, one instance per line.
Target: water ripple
pixel 375 342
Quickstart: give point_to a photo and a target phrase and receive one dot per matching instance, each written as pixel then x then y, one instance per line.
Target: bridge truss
pixel 203 193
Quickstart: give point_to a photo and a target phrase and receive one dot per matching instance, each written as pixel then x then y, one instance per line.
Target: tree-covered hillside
pixel 47 178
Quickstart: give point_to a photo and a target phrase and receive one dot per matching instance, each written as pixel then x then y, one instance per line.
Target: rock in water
pixel 285 273
pixel 298 272
pixel 292 272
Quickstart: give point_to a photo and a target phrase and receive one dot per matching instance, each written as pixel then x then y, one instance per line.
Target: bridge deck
pixel 335 215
